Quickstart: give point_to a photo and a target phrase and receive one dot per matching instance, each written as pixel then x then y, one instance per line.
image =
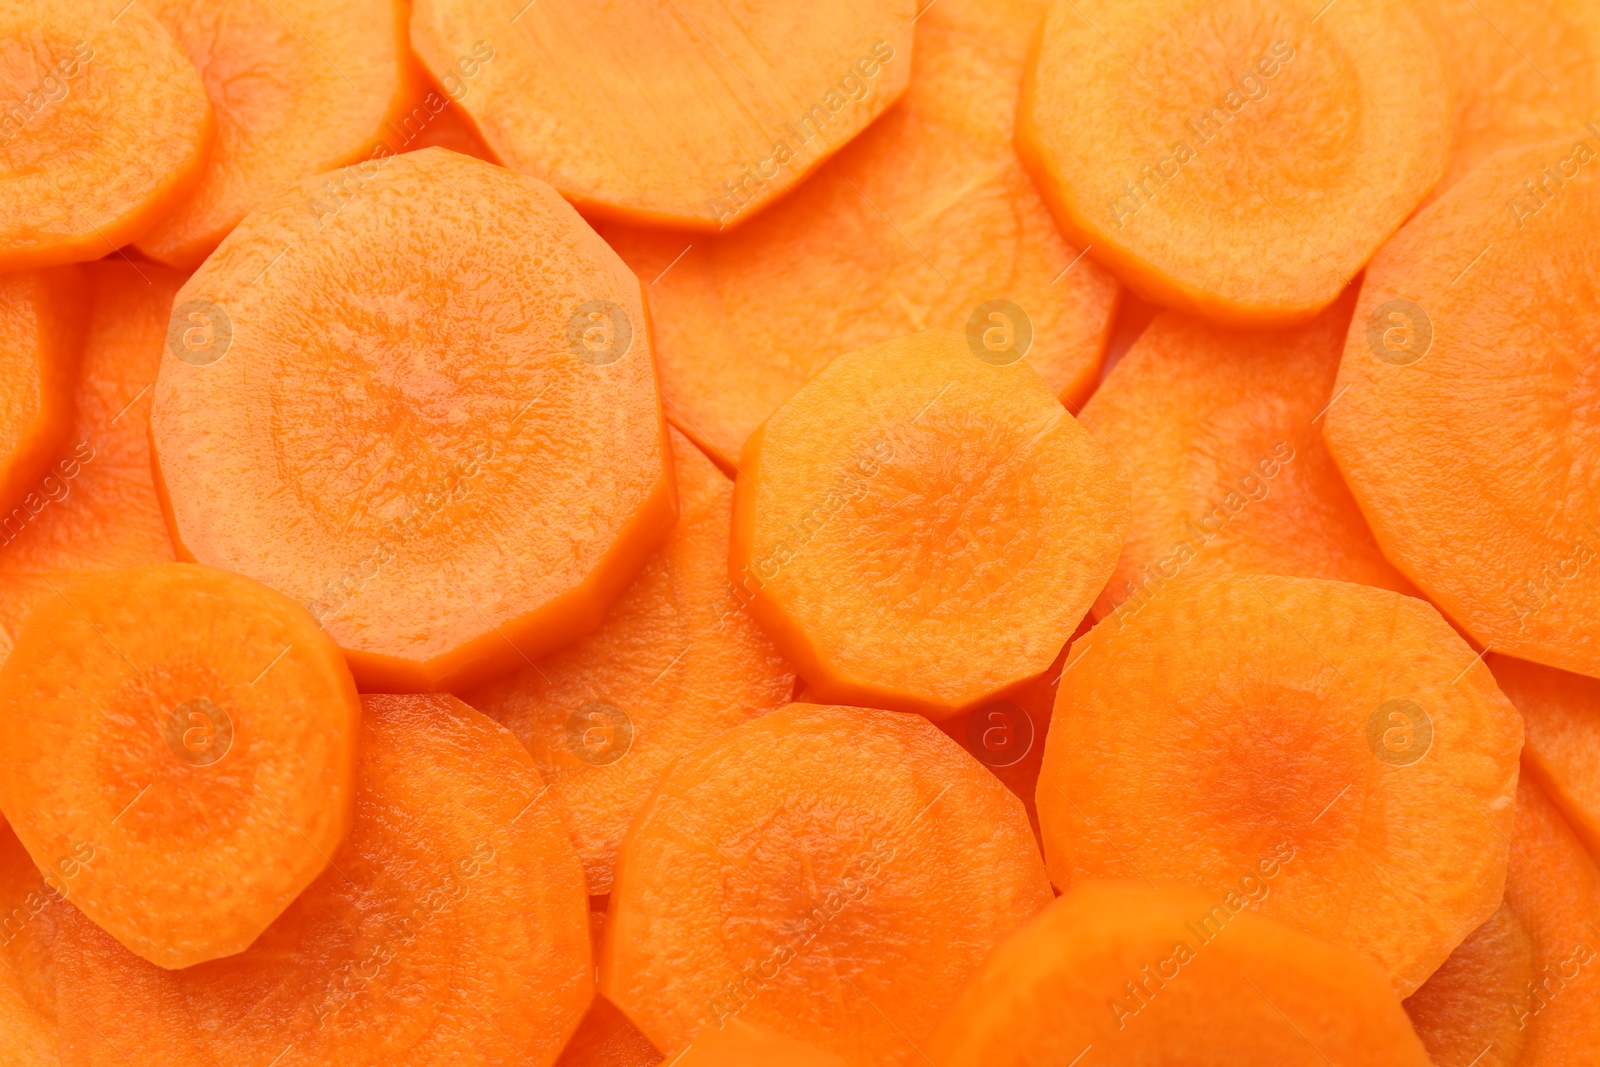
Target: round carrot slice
pixel 27 997
pixel 1330 754
pixel 926 219
pixel 299 87
pixel 105 128
pixel 1121 974
pixel 1463 433
pixel 676 660
pixel 206 747
pixel 833 874
pixel 1465 1013
pixel 739 1044
pixel 1222 429
pixel 1239 160
pixel 449 929
pixel 1561 716
pixel 672 112
pixel 922 525
pixel 455 459
pixel 41 315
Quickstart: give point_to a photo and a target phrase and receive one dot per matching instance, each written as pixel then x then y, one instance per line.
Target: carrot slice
pixel 1465 1013
pixel 606 1038
pixel 924 220
pixel 1222 428
pixel 27 997
pixel 1332 754
pixel 456 460
pixel 675 661
pixel 683 113
pixel 740 1044
pixel 834 874
pixel 1464 435
pixel 96 508
pixel 299 87
pixel 1121 973
pixel 41 316
pixel 921 528
pixel 450 928
pixel 1561 715
pixel 105 130
pixel 1236 161
pixel 205 745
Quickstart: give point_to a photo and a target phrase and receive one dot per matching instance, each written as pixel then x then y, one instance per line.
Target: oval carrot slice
pixel 675 661
pixel 206 747
pixel 926 219
pixel 449 929
pixel 1121 973
pixel 834 874
pixel 668 112
pixel 459 454
pixel 921 528
pixel 105 129
pixel 299 88
pixel 41 317
pixel 1330 754
pixel 1223 431
pixel 1465 1012
pixel 1238 161
pixel 1561 716
pixel 739 1044
pixel 27 996
pixel 1463 435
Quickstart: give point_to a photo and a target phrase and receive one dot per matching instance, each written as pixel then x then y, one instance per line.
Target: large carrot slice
pixel 1465 1012
pixel 206 747
pixel 674 112
pixel 105 128
pixel 926 219
pixel 1123 974
pixel 1464 435
pixel 299 87
pixel 41 319
pixel 834 874
pixel 676 660
pixel 450 928
pixel 456 457
pixel 921 528
pixel 740 1044
pixel 1561 715
pixel 27 996
pixel 1331 754
pixel 1239 161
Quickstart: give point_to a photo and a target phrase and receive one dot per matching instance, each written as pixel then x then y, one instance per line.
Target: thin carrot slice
pixel 920 528
pixel 299 87
pixel 1466 1012
pixel 661 110
pixel 1464 435
pixel 27 997
pixel 926 219
pixel 1238 161
pixel 1561 715
pixel 455 457
pixel 105 129
pixel 676 660
pixel 41 316
pixel 606 1038
pixel 1121 973
pixel 833 874
pixel 449 929
pixel 1223 431
pixel 206 747
pixel 740 1044
pixel 1330 754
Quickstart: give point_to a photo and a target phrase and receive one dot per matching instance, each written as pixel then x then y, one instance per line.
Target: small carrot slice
pixel 1464 436
pixel 920 528
pixel 606 1038
pixel 1332 754
pixel 926 219
pixel 1561 716
pixel 660 110
pixel 675 661
pixel 834 874
pixel 1121 973
pixel 106 128
pixel 27 997
pixel 1465 1012
pixel 1237 161
pixel 41 318
pixel 740 1044
pixel 457 460
pixel 206 747
pixel 450 928
pixel 1223 429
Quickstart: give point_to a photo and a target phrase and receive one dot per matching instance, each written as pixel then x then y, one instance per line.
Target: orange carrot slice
pixel 105 129
pixel 461 452
pixel 686 113
pixel 1561 715
pixel 1121 973
pixel 739 1044
pixel 1463 435
pixel 1235 161
pixel 1465 1012
pixel 676 660
pixel 606 1038
pixel 920 527
pixel 27 996
pixel 871 865
pixel 41 317
pixel 1333 755
pixel 449 929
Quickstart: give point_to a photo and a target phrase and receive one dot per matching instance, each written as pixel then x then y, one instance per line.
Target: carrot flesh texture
pixel 1561 714
pixel 27 997
pixel 41 318
pixel 1465 1012
pixel 739 1043
pixel 606 1038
